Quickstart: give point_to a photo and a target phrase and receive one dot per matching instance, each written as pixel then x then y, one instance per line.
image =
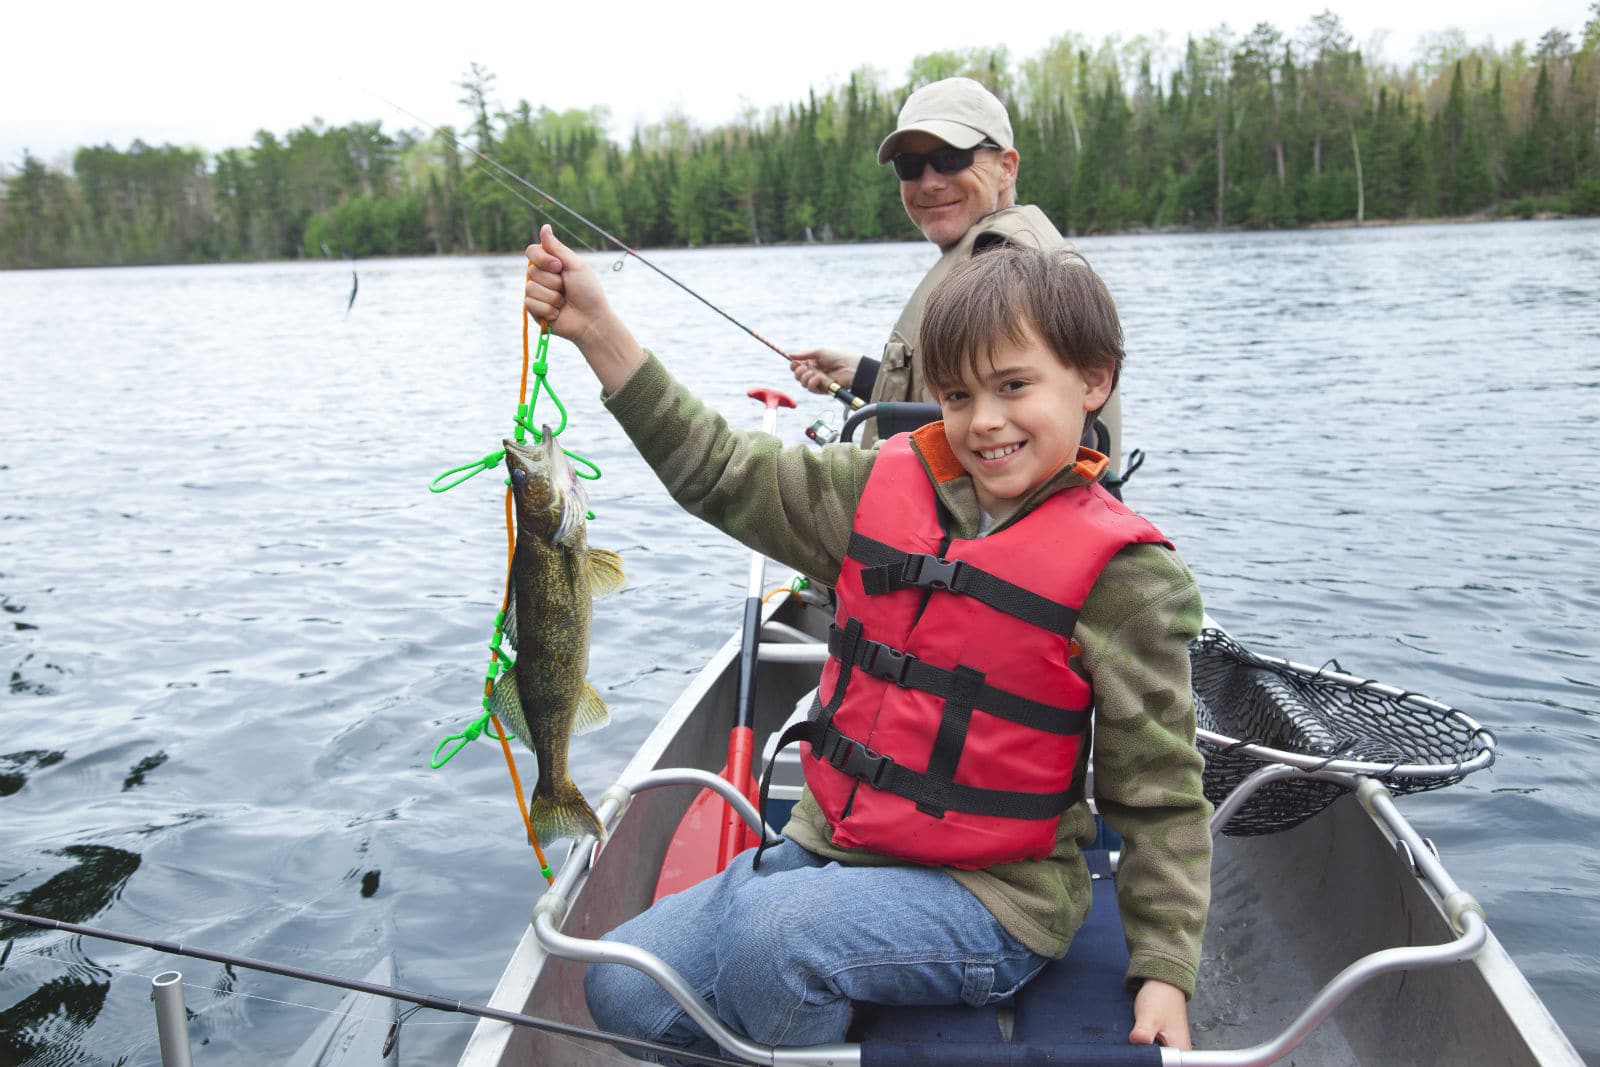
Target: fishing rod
pixel 835 390
pixel 426 1000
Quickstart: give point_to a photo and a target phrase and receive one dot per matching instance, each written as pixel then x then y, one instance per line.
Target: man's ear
pixel 1008 168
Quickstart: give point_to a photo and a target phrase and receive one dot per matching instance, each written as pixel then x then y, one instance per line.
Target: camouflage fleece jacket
pixel 796 505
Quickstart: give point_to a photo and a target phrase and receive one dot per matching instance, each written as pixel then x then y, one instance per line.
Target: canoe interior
pixel 1289 911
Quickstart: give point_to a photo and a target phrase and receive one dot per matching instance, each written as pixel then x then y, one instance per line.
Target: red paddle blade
pixel 692 853
pixel 711 833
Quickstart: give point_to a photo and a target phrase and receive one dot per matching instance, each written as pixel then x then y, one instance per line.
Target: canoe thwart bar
pixel 668 776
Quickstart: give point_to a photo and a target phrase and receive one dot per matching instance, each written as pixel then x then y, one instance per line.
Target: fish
pixel 545 696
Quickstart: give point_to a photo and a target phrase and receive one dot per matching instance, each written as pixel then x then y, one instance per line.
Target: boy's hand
pixel 815 367
pixel 1160 1011
pixel 564 291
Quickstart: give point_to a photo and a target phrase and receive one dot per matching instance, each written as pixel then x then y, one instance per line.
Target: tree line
pixel 1265 129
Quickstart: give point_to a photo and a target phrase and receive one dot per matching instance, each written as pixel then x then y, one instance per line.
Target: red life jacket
pixel 949 719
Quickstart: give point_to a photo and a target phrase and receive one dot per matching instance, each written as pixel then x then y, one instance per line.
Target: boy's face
pixel 1019 422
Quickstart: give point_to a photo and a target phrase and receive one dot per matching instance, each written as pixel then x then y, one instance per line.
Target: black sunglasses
pixel 908 165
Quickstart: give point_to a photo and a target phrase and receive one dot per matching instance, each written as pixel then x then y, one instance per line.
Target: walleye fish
pixel 544 698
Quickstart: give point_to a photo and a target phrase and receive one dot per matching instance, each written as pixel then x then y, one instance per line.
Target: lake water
pixel 236 623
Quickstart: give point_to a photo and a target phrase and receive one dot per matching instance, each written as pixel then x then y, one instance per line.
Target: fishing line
pixel 838 391
pixel 426 1000
pixel 222 995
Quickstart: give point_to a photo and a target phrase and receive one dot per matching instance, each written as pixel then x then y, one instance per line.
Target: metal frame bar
pixel 1463 912
pixel 551 908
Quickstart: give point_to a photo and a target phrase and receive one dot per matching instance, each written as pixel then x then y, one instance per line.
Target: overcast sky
pixel 210 74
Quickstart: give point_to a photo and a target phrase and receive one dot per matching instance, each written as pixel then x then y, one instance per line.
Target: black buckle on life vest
pixel 917 569
pixel 932 572
pixel 855 759
pixel 887 663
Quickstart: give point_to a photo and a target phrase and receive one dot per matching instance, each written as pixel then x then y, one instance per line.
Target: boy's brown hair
pixel 1005 293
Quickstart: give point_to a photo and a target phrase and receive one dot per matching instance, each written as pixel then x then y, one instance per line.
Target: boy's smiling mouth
pixel 1002 452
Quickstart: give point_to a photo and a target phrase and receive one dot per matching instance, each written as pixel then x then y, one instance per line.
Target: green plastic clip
pixel 472 470
pixel 464 738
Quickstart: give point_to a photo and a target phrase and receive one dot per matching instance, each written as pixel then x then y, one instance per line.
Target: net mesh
pixel 1253 700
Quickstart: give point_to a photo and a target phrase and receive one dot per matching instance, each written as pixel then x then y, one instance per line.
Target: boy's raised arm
pixel 563 291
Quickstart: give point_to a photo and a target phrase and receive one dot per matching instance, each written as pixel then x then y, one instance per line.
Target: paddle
pixel 711 832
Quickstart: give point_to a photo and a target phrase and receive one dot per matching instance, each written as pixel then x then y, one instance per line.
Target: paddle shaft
pixel 426 1000
pixel 736 836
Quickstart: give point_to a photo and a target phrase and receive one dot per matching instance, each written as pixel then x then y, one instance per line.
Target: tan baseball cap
pixel 958 111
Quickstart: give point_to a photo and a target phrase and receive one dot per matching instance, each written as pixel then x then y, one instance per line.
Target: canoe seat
pixel 1078 1007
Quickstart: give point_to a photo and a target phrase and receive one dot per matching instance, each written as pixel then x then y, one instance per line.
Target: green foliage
pixel 1586 197
pixel 1271 129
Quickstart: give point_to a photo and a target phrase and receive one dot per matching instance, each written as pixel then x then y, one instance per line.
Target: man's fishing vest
pixel 949 718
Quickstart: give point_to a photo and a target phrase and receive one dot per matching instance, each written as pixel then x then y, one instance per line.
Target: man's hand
pixel 1160 1011
pixel 816 367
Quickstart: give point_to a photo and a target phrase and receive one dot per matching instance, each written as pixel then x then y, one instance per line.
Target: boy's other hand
pixel 816 367
pixel 1160 1011
pixel 563 290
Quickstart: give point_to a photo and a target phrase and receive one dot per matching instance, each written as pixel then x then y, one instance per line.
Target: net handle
pixel 1303 673
pixel 1301 761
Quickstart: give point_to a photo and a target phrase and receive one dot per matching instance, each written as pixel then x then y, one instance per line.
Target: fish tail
pixel 564 813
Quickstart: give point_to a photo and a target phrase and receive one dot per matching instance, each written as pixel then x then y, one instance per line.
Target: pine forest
pixel 1271 128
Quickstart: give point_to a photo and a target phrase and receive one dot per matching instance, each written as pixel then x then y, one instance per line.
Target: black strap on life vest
pixel 886 569
pixel 821 714
pixel 909 672
pixel 934 794
pixel 934 791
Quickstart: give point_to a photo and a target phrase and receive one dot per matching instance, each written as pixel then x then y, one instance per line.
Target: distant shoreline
pixel 1164 231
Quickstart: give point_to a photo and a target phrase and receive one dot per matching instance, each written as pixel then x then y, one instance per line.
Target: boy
pixel 942 864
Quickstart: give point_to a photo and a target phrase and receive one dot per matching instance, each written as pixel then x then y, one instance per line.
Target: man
pixel 956 159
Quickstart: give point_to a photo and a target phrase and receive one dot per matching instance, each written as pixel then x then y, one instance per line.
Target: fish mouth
pixel 544 450
pixel 544 481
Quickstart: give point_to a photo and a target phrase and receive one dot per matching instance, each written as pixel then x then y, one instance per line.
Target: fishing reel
pixel 822 432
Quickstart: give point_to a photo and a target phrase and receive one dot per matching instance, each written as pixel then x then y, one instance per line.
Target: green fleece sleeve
pixel 1146 768
pixel 793 504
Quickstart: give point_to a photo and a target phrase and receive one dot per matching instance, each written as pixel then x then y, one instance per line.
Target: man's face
pixel 945 206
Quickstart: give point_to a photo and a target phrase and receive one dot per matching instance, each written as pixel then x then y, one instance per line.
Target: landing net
pixel 1252 710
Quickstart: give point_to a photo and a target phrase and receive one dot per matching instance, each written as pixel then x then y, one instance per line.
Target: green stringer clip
pixel 523 424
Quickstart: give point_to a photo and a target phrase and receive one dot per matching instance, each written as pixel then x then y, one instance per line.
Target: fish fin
pixel 592 712
pixel 563 813
pixel 605 572
pixel 509 625
pixel 506 702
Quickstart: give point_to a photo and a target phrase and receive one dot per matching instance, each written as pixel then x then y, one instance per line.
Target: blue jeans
pixel 780 953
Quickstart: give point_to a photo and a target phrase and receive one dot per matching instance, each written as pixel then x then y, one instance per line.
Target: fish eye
pixel 519 477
